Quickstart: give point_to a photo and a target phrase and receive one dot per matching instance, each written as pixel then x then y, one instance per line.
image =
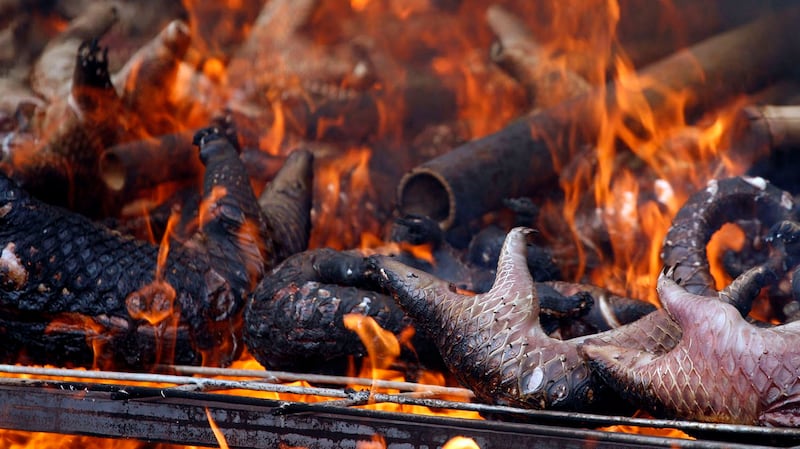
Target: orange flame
pixel 345 193
pixel 461 443
pixel 223 443
pixel 382 345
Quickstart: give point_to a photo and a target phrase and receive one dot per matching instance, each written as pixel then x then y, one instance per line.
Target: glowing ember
pixel 461 443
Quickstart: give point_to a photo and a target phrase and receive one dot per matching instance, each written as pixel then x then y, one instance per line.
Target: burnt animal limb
pixel 294 319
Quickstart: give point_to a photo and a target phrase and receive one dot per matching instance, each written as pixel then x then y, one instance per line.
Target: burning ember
pixel 461 214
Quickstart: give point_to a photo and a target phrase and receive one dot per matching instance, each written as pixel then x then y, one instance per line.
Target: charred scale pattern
pixel 58 265
pixel 723 370
pixel 493 342
pixel 55 262
pixel 294 319
pixel 237 237
pixel 722 201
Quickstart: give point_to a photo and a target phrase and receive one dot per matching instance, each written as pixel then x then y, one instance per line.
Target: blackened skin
pixel 59 268
pixel 722 201
pixel 294 319
pixel 286 203
pixel 54 262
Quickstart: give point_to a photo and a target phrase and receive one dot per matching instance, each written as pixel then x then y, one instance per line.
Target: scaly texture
pixel 493 342
pixel 723 370
pixel 57 264
pixel 722 201
pixel 294 319
pixel 54 261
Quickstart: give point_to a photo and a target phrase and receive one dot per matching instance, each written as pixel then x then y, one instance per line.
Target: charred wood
pixel 453 188
pixel 516 51
pixel 128 168
pixel 759 130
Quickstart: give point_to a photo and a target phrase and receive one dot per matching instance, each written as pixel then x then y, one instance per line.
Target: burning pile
pixel 164 176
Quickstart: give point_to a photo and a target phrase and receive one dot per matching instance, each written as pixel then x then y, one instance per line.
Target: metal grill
pixel 116 404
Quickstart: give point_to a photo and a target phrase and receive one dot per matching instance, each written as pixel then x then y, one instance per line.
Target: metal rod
pixel 172 379
pixel 349 399
pixel 285 376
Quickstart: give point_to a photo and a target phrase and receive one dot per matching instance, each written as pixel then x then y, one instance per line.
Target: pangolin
pixel 723 370
pixel 493 342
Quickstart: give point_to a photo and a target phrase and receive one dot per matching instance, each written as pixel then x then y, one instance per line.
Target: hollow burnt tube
pixel 758 130
pixel 130 167
pixel 522 158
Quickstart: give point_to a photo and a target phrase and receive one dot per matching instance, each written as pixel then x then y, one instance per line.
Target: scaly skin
pixel 56 262
pixel 723 370
pixel 493 342
pixel 684 248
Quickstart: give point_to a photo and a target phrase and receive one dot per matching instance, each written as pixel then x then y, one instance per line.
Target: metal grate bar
pixel 177 416
pixel 285 376
pixel 344 400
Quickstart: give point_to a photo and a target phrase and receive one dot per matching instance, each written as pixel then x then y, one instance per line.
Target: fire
pixel 343 185
pixel 619 193
pixel 648 161
pixel 223 444
pixel 382 345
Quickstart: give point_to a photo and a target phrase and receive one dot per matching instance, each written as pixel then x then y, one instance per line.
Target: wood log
pixel 516 51
pixel 760 129
pixel 145 82
pixel 522 158
pixel 128 168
